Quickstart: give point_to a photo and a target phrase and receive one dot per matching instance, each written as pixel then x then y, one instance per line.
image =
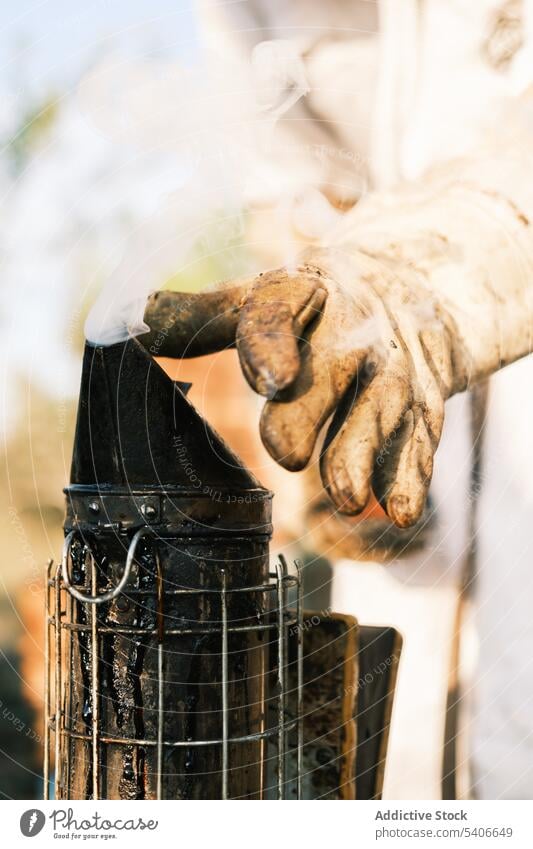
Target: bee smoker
pixel 167 633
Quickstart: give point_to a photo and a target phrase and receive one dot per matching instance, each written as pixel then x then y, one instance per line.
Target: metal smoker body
pixel 169 633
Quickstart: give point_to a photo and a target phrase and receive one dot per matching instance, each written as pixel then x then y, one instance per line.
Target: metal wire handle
pixel 110 594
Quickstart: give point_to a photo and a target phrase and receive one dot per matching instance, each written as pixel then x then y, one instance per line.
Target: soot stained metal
pixel 166 631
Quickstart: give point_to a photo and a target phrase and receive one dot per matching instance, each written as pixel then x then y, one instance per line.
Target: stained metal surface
pixel 142 725
pixel 160 617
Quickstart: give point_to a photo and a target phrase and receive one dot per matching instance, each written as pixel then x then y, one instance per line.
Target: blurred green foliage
pixel 35 123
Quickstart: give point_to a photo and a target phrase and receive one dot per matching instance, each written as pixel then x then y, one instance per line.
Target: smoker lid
pixel 135 427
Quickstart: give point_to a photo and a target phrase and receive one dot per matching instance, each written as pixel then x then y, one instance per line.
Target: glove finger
pixel 291 422
pixel 431 366
pixel 436 351
pixel 348 460
pixel 190 325
pixel 277 310
pixel 402 483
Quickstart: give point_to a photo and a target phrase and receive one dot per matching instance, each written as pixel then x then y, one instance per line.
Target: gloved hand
pixel 340 334
pixel 419 293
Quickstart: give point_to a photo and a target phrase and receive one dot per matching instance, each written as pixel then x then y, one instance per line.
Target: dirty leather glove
pixel 374 333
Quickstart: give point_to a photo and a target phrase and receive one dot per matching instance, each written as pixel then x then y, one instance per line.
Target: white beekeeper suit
pixel 393 91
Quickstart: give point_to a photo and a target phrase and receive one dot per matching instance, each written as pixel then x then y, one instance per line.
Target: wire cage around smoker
pixel 84 640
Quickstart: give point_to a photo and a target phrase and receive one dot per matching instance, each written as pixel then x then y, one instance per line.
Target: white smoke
pixel 215 120
pixel 278 80
pixel 313 216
